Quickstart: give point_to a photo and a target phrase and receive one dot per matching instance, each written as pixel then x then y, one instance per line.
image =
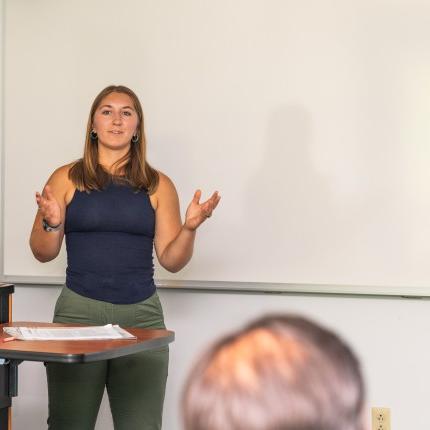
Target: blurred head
pixel 278 373
pixel 115 122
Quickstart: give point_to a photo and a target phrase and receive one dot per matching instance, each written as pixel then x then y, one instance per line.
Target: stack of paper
pixel 106 332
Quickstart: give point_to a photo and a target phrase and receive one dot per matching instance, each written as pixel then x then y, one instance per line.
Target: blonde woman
pixel 113 208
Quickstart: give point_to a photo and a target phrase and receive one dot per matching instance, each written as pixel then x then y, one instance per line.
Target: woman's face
pixel 115 121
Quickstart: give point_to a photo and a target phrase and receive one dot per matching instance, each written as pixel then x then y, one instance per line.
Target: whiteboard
pixel 311 118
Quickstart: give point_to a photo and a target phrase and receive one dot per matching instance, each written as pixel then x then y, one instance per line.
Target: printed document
pixel 106 332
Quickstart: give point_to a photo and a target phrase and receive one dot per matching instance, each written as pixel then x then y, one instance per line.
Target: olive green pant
pixel 135 384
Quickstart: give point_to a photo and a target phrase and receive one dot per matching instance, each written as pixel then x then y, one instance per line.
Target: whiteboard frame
pixel 252 287
pixel 225 286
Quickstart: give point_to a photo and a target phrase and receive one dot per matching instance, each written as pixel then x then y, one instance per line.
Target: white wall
pixel 389 334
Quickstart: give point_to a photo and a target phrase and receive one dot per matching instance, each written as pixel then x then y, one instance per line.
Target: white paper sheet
pixel 106 332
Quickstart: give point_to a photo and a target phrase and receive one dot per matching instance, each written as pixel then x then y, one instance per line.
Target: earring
pixel 135 138
pixel 93 135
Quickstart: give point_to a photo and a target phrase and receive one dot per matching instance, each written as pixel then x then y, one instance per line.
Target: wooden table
pixel 70 351
pixel 79 351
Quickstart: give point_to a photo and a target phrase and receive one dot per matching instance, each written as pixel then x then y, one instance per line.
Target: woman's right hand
pixel 48 206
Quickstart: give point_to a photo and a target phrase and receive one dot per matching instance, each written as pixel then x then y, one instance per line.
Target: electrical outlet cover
pixel 381 419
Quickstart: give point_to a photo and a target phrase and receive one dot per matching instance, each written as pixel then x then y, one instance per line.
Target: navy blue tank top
pixel 109 242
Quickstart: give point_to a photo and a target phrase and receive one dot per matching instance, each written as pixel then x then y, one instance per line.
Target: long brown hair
pixel 87 174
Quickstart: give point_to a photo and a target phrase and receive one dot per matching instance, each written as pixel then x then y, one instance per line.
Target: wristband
pixel 47 227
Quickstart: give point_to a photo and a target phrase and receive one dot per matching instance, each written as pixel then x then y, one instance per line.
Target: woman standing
pixel 113 207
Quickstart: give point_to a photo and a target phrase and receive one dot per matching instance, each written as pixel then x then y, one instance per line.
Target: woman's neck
pixel 107 160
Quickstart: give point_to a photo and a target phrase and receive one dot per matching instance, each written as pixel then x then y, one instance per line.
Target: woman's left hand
pixel 198 212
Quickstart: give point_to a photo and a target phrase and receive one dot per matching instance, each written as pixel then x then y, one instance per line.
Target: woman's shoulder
pixel 61 174
pixel 61 184
pixel 165 190
pixel 165 184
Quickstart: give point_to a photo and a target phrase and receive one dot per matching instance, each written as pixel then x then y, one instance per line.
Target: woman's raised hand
pixel 48 206
pixel 198 212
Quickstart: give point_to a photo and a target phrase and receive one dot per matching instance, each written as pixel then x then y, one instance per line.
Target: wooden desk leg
pixel 6 291
pixel 5 399
pixel 8 389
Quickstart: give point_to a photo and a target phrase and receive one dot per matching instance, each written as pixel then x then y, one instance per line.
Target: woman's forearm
pixel 178 252
pixel 48 228
pixel 45 245
pixel 174 243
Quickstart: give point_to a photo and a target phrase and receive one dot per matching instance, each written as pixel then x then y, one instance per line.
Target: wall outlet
pixel 381 419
